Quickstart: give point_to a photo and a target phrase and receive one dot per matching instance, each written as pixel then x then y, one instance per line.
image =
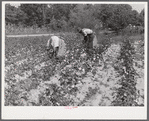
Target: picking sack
pixel 62 48
pixel 95 42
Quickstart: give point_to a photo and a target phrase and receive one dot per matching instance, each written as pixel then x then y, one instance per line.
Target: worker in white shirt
pixel 53 45
pixel 56 46
pixel 88 37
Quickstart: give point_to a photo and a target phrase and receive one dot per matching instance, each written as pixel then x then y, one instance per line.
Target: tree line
pixel 68 16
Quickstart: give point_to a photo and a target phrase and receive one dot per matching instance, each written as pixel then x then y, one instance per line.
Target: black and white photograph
pixel 74 56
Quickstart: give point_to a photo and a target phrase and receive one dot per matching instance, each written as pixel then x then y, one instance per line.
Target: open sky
pixel 137 7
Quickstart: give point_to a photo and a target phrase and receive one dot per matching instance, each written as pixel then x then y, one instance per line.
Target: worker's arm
pixel 48 44
pixel 56 51
pixel 84 33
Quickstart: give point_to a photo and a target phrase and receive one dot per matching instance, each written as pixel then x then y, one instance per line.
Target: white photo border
pixel 87 112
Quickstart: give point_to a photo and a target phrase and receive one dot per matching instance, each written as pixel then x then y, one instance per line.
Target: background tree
pixel 69 16
pixel 115 16
pixel 141 18
pixel 34 14
pixel 134 17
pixel 83 16
pixel 14 15
pixel 58 16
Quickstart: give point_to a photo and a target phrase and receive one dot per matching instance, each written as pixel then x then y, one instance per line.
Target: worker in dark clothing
pixel 88 38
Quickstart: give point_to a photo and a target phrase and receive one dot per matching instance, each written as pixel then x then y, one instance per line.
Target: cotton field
pixel 33 79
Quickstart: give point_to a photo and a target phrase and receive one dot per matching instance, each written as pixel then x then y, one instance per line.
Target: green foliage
pixel 61 10
pixel 64 17
pixel 14 15
pixel 141 18
pixel 58 25
pixel 83 16
pixel 134 18
pixel 115 16
pixel 34 14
